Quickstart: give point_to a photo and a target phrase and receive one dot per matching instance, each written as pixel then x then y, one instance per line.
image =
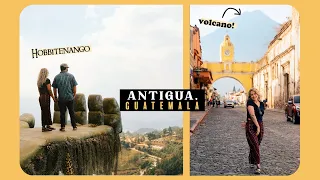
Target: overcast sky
pixel 278 13
pixel 132 47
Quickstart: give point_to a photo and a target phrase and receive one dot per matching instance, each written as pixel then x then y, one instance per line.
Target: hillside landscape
pixel 151 152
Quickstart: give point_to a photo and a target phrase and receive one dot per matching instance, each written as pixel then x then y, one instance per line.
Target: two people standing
pixel 66 85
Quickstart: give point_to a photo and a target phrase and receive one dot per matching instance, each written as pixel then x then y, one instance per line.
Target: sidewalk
pixel 196 118
pixel 275 110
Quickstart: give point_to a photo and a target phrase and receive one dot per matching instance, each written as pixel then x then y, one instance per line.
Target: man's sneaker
pixel 62 129
pixel 75 128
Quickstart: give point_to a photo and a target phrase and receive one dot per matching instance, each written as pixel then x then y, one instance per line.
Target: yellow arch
pixel 244 79
pixel 240 71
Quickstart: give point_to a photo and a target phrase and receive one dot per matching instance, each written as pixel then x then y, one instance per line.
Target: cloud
pixel 137 47
pixel 140 43
pixel 91 12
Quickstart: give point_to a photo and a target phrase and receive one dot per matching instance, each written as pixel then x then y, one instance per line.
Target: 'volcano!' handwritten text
pixel 210 22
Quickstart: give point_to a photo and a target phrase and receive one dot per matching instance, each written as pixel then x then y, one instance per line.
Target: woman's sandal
pixel 258 171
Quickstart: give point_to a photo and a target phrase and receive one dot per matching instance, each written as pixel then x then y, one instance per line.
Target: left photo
pixel 74 60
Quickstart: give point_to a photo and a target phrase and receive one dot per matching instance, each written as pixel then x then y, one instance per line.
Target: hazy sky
pixel 278 13
pixel 132 47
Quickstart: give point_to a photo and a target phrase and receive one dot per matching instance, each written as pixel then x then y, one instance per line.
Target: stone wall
pixel 95 154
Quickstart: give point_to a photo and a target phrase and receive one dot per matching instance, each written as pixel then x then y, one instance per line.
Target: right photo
pixel 247 59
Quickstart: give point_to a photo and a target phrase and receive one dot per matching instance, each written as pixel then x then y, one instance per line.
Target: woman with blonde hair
pixel 254 127
pixel 45 92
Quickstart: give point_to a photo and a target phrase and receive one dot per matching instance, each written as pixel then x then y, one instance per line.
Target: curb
pixel 195 125
pixel 276 110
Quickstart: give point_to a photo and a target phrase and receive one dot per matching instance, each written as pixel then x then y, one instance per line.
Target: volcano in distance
pixel 251 37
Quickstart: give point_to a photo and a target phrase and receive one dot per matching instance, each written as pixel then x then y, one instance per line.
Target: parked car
pixel 229 104
pixel 292 110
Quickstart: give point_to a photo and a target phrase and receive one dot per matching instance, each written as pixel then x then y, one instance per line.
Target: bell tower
pixel 226 50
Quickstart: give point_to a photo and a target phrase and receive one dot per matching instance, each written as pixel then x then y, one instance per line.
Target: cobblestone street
pixel 219 145
pixel 195 115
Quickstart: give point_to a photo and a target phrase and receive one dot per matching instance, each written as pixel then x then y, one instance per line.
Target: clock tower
pixel 226 50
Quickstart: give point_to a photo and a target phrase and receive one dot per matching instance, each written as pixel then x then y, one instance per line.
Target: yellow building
pixel 226 50
pixel 227 67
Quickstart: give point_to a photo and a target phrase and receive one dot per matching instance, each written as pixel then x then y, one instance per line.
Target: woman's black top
pixel 43 89
pixel 259 112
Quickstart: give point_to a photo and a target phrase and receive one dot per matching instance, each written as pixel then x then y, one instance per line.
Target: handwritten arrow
pixel 237 13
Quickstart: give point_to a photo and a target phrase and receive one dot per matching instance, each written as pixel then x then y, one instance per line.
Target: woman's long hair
pixel 256 91
pixel 43 74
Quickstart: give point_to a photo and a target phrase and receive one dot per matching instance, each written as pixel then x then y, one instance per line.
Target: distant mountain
pixel 175 128
pixel 250 38
pixel 144 130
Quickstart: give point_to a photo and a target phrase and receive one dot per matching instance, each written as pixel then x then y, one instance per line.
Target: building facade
pixel 239 97
pixel 277 75
pixel 192 59
pixel 200 77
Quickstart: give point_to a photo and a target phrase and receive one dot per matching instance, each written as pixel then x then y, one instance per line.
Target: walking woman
pixel 254 127
pixel 44 88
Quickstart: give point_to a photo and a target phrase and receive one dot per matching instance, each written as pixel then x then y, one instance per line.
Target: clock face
pixel 227 52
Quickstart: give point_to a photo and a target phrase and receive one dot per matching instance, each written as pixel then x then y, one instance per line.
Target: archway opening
pixel 227 88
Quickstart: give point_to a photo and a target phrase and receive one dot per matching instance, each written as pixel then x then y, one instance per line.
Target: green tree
pixel 174 164
pixel 125 144
pixel 151 136
pixel 170 130
pixel 150 171
pixel 145 164
pixel 179 133
pixel 159 172
pixel 165 131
